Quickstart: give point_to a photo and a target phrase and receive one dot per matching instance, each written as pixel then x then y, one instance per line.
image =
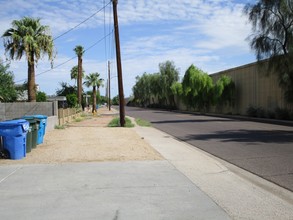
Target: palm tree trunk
pixel 31 80
pixel 79 80
pixel 94 99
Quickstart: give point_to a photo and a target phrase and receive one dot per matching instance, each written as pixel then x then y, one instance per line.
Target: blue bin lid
pixel 41 116
pixel 13 123
pixel 36 116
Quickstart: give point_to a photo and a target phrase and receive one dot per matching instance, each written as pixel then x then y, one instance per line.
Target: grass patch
pixel 84 115
pixel 78 119
pixel 116 123
pixel 142 122
pixel 59 127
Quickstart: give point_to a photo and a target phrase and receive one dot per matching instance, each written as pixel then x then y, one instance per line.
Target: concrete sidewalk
pixel 189 184
pixel 109 190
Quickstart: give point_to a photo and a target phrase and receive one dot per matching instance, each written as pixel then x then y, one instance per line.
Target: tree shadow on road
pixel 193 121
pixel 248 136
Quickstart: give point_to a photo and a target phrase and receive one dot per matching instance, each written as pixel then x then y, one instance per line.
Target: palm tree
pixel 94 80
pixel 79 52
pixel 74 73
pixel 27 36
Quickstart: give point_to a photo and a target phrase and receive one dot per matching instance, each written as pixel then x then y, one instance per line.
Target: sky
pixel 210 34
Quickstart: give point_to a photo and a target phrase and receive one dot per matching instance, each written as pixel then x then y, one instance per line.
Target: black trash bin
pixel 32 136
pixel 41 126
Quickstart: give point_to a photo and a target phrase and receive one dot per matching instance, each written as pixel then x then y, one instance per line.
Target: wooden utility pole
pixel 109 87
pixel 119 68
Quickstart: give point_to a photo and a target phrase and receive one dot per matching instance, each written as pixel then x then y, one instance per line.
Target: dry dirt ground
pixel 90 140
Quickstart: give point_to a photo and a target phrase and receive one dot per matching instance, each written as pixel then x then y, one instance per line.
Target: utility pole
pixel 109 87
pixel 119 68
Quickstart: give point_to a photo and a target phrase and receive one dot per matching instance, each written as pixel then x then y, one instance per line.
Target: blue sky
pixel 207 33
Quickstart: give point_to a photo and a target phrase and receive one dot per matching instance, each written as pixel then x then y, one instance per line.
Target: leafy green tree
pixel 79 50
pixel 224 91
pixel 142 89
pixel 169 74
pixel 103 99
pixel 27 36
pixel 115 100
pixel 177 89
pixel 71 100
pixel 272 26
pixel 93 80
pixel 197 89
pixel 66 89
pixel 150 87
pixel 7 88
pixel 155 86
pixel 41 97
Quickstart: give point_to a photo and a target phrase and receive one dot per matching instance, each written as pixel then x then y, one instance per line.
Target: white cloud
pixel 225 28
pixel 59 15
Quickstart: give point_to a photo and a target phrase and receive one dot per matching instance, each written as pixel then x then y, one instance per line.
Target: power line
pixel 61 64
pixel 71 29
pixel 66 32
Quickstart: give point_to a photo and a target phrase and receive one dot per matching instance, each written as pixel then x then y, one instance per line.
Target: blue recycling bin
pixel 13 133
pixel 42 123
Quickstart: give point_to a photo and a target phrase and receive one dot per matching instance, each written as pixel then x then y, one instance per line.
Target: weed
pixel 116 123
pixel 59 127
pixel 142 122
pixel 78 119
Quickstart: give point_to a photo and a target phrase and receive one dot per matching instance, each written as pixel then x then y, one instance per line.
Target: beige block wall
pixel 254 88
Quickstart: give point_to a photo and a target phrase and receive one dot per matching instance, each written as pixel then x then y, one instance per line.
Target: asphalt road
pixel 261 148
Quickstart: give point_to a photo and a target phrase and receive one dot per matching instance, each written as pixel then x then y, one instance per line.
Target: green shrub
pixel 41 97
pixel 260 112
pixel 142 122
pixel 78 119
pixel 116 123
pixel 251 111
pixel 271 114
pixel 71 100
pixel 283 114
pixel 59 127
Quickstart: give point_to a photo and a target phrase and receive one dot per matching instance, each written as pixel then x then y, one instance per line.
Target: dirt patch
pixel 88 141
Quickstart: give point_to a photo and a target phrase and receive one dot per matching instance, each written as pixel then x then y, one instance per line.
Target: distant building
pixel 62 103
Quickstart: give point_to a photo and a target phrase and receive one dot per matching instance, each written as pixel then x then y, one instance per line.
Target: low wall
pixel 55 116
pixel 254 87
pixel 10 111
pixel 67 115
pixel 52 121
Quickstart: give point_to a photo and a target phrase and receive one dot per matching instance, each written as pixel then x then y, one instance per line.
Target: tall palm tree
pixel 27 36
pixel 94 80
pixel 74 74
pixel 79 52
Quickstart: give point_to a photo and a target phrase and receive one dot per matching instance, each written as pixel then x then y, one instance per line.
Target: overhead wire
pixel 61 64
pixel 66 32
pixel 71 29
